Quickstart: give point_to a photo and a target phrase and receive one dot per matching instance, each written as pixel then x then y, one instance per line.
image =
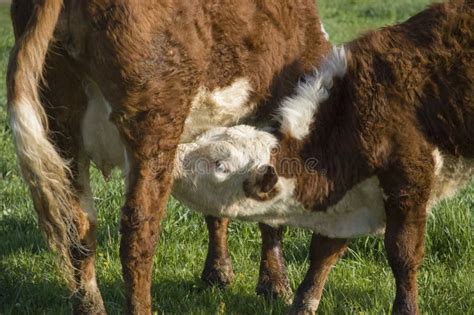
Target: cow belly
pixel 101 138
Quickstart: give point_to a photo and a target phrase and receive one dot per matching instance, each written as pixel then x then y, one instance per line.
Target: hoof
pixel 279 289
pixel 308 307
pixel 219 275
pixel 405 307
pixel 90 305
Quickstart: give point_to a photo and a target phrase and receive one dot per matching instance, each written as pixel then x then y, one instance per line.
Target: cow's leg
pixel 273 279
pixel 148 189
pixel 86 298
pixel 218 266
pixel 324 253
pixel 407 193
pixel 65 103
pixel 151 134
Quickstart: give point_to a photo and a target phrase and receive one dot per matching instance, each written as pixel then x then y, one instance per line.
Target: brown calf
pixel 124 83
pixel 380 133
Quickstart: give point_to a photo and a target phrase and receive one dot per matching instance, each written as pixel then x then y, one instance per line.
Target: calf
pixel 368 144
pixel 119 76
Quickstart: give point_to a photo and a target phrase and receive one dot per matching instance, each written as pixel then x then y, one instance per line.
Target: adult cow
pixel 123 84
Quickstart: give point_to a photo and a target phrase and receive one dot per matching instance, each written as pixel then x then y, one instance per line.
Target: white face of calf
pixel 225 172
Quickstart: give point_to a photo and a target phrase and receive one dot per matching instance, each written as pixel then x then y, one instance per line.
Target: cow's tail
pixel 45 171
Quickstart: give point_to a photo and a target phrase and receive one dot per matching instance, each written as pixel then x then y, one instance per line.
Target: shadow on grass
pixel 34 295
pixel 193 296
pixel 24 292
pixel 23 234
pixel 20 234
pixel 173 297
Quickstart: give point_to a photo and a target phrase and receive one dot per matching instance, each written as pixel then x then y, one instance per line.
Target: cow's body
pixel 125 82
pixel 368 144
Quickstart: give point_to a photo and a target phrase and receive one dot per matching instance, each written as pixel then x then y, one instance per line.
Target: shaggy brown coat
pixel 407 91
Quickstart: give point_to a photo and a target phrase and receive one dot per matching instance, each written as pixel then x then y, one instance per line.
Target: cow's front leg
pixel 273 279
pixel 324 253
pixel 218 267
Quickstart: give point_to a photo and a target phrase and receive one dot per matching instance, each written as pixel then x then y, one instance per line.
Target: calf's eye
pixel 220 167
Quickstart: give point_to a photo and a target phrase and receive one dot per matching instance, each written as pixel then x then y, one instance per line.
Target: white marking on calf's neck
pixel 297 112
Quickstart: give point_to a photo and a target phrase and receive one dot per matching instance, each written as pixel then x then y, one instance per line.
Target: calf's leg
pixel 218 267
pixel 273 279
pixel 324 253
pixel 407 184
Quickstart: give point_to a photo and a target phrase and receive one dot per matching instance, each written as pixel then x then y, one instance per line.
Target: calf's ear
pixel 262 183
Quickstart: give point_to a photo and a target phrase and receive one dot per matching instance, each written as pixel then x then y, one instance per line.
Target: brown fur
pixel 408 89
pixel 149 59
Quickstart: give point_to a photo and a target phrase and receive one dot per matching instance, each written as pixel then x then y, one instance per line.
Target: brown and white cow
pixel 121 83
pixel 367 145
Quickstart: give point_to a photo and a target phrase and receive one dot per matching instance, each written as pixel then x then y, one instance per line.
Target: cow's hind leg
pixel 149 183
pixel 273 279
pixel 86 298
pixel 324 253
pixel 218 267
pixel 65 103
pixel 407 186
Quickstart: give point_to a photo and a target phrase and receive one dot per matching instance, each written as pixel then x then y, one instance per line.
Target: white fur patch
pixel 297 112
pixel 451 173
pixel 312 304
pixel 438 159
pixel 101 138
pixel 326 35
pixel 220 107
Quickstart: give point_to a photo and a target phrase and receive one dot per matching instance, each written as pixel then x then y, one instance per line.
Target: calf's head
pixel 227 172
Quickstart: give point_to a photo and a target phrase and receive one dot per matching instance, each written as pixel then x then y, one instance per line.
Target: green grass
pixel 361 283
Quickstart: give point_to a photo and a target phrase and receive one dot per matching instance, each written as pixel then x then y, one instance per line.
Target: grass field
pixel 361 283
